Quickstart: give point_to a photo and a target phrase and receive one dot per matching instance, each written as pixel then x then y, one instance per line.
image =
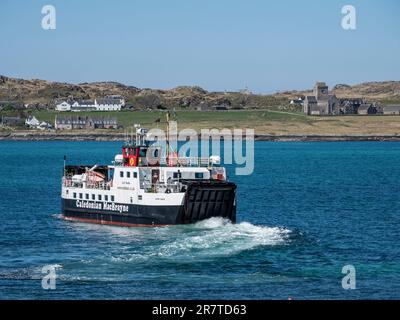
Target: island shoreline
pixel 35 136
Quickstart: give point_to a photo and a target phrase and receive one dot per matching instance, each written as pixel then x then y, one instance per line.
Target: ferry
pixel 140 188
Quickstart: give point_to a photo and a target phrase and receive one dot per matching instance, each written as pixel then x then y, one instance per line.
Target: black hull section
pixel 136 215
pixel 206 199
pixel 202 200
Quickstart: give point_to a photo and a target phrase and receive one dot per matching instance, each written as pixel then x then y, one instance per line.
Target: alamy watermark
pixel 49 18
pixel 349 280
pixel 50 276
pixel 349 20
pixel 237 144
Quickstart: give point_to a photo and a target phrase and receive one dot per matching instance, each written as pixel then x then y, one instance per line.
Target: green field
pixel 270 122
pixel 192 119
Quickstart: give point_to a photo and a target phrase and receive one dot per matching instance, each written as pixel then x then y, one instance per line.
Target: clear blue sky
pixel 216 44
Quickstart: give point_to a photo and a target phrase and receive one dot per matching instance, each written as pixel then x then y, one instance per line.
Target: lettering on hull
pixel 107 206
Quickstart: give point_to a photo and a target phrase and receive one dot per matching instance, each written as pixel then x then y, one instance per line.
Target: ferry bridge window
pixel 87 196
pixel 198 175
pixel 75 195
pixel 80 196
pixel 135 174
pixel 142 152
pixel 112 198
pixel 121 174
pixel 93 197
pixel 99 197
pixel 128 174
pixel 106 198
pixel 177 175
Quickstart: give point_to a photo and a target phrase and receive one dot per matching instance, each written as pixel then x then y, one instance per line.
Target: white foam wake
pixel 215 237
pixel 219 237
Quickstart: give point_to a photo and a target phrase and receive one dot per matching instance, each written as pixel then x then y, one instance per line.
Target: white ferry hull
pixel 201 201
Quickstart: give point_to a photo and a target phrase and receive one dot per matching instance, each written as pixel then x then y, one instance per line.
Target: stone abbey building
pixel 321 102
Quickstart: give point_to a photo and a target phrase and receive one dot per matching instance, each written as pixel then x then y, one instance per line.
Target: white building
pixel 34 123
pixel 108 104
pixel 298 102
pixel 103 104
pixel 63 106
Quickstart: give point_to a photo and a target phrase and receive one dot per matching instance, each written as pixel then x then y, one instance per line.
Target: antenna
pixel 65 159
pixel 131 138
pixel 167 138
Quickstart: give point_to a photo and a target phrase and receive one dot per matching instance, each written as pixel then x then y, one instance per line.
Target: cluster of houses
pixel 62 123
pixel 85 123
pixel 321 102
pixel 31 122
pixel 109 103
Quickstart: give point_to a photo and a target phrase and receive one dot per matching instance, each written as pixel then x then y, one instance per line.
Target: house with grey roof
pixel 109 104
pixel 310 105
pixel 85 122
pixel 366 108
pixel 391 110
pixel 11 121
pixel 349 105
pixel 117 97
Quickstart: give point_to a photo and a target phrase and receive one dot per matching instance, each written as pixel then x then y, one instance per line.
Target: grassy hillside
pixel 181 98
pixel 185 97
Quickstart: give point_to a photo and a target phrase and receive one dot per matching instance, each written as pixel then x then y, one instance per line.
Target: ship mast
pixel 65 159
pixel 167 137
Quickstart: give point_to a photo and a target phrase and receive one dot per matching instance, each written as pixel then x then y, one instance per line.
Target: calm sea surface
pixel 307 210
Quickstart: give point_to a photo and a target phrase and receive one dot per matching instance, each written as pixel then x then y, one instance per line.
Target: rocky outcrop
pixel 341 86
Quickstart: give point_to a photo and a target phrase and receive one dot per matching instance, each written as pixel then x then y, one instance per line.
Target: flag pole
pixel 167 140
pixel 65 159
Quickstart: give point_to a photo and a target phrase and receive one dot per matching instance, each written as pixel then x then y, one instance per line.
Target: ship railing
pixel 186 161
pixel 161 187
pixel 173 161
pixel 68 182
pixel 102 185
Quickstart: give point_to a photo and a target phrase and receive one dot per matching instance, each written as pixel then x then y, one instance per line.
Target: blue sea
pixel 308 210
